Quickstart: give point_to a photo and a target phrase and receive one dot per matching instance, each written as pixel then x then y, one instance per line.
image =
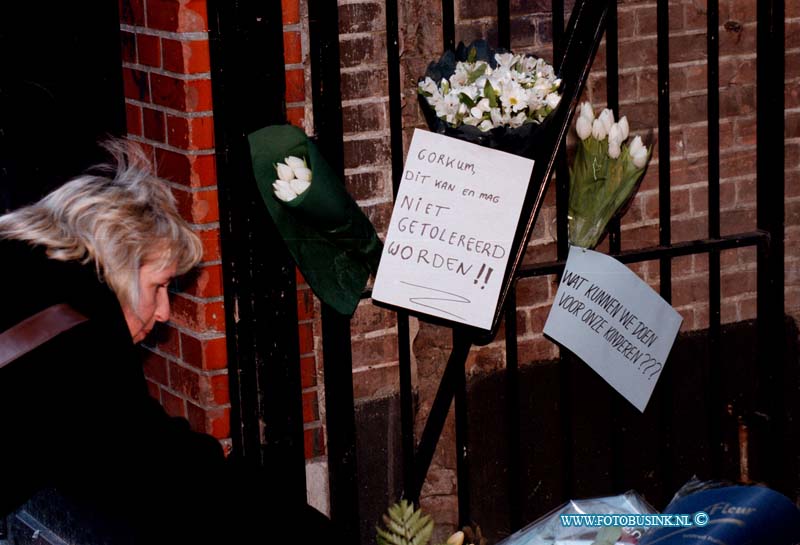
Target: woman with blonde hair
pixel 95 258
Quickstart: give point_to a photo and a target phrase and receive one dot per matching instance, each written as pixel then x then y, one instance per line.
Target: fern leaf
pixel 405 525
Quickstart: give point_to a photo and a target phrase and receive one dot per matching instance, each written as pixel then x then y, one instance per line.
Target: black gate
pixel 263 346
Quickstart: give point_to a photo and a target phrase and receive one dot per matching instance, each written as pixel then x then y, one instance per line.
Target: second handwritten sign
pixel 451 230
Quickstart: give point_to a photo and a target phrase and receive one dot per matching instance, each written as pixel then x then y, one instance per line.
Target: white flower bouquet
pixel 604 174
pixel 491 98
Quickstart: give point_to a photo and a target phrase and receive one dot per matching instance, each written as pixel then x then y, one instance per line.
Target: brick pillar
pixel 169 111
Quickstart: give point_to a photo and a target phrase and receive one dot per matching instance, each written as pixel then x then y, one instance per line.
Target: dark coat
pixel 75 415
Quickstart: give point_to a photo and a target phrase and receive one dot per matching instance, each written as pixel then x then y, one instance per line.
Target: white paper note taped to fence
pixel 453 223
pixel 614 322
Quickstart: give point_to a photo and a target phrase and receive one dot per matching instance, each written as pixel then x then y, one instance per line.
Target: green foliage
pixel 405 526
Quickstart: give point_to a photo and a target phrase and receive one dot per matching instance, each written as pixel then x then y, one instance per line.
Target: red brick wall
pixel 168 103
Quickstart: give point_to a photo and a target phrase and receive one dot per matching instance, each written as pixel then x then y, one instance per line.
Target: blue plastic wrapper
pixel 737 515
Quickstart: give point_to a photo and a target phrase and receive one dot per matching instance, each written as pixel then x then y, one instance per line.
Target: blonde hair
pixel 118 215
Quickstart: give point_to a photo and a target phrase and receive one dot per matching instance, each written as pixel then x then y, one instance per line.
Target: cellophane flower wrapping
pixel 550 530
pixel 603 178
pixel 489 97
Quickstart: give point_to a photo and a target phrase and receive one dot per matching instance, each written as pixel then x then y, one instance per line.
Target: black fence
pixel 260 275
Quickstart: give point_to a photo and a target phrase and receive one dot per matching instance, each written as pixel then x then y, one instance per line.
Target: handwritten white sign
pixel 451 230
pixel 614 322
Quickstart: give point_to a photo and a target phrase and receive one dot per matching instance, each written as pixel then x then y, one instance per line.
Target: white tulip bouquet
pixel 604 175
pixel 294 178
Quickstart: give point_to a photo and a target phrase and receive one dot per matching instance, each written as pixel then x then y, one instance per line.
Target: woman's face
pixel 153 300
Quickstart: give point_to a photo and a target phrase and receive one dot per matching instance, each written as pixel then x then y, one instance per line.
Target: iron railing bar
pixel 715 414
pixel 462 434
pixel 448 25
pixel 438 414
pixel 395 93
pixel 340 422
pixel 258 271
pixel 664 212
pixel 562 249
pixel 323 20
pixel 562 170
pixel 614 242
pixel 396 147
pixel 770 215
pixel 678 249
pixel 664 228
pixel 504 24
pixel 612 100
pixel 406 400
pixel 515 497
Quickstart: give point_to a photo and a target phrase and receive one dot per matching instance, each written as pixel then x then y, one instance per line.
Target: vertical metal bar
pixel 462 434
pixel 448 25
pixel 664 226
pixel 396 147
pixel 515 497
pixel 323 24
pixel 715 412
pixel 612 102
pixel 439 411
pixel 504 24
pixel 612 97
pixel 562 249
pixel 406 401
pixel 259 274
pixel 341 423
pixel 395 93
pixel 562 171
pixel 770 217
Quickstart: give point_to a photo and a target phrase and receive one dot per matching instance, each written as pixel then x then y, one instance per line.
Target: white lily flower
pixel 518 120
pixel 284 172
pixel 615 137
pixel 624 127
pixel 583 127
pixel 598 130
pixel 429 86
pixel 485 125
pixel 613 149
pixel 470 120
pixel 607 117
pixel 498 118
pixel 299 186
pixel 553 99
pixel 302 173
pixel 505 59
pixel 587 112
pixel 484 105
pixel 282 185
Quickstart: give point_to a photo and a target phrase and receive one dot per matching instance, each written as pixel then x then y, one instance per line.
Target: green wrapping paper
pixel 333 243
